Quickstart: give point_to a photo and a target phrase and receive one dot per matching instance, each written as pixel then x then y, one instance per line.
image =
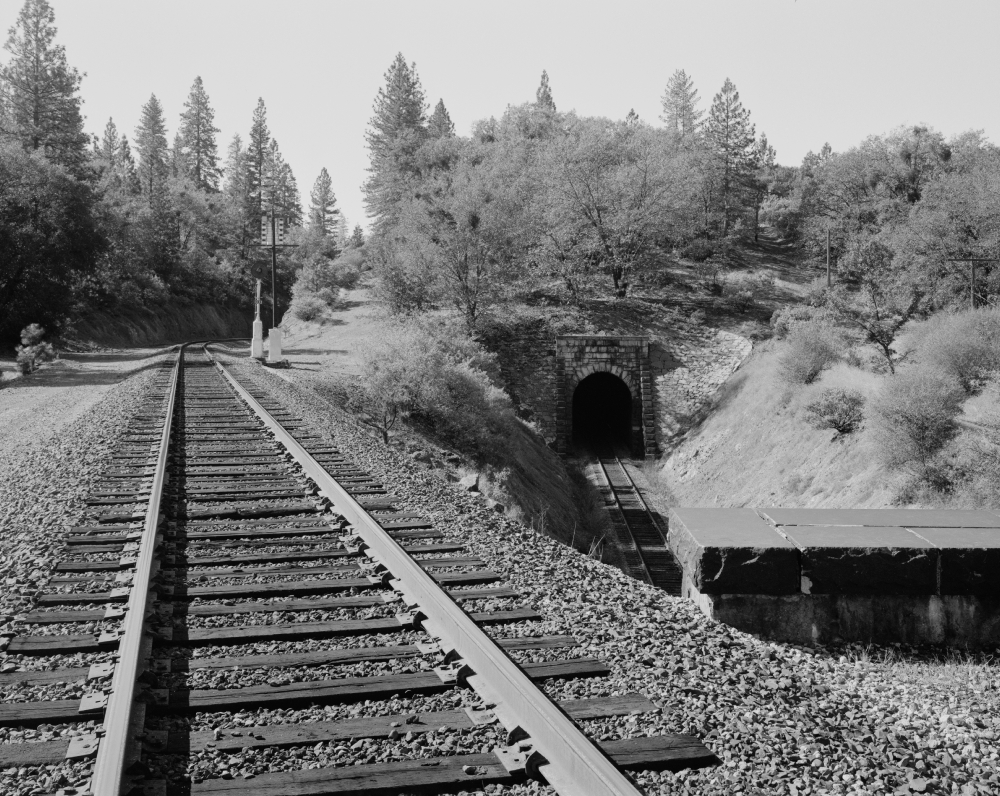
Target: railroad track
pixel 643 546
pixel 244 608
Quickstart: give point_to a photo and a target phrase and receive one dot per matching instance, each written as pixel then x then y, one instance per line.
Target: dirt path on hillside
pixel 33 408
pixel 329 349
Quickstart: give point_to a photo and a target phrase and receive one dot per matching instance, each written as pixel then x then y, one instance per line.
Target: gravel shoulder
pixel 783 719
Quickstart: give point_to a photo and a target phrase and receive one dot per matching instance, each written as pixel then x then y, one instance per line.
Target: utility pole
pixel 972 261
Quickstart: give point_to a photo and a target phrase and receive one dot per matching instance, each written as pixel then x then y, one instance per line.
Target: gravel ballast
pixel 783 719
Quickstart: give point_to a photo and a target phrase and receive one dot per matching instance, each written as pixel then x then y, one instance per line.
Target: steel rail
pixel 109 766
pixel 573 764
pixel 640 498
pixel 621 511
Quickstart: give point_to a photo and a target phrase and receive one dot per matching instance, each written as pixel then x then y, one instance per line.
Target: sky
pixel 809 71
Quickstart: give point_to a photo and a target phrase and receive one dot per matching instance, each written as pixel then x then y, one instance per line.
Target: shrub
pixel 698 250
pixel 914 417
pixel 741 292
pixel 784 318
pixel 33 351
pixel 309 308
pixel 439 380
pixel 964 344
pixel 810 349
pixel 841 410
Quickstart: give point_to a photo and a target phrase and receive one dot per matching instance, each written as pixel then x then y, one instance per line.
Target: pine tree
pixel 323 212
pixel 129 174
pixel 234 185
pixel 440 124
pixel 357 239
pixel 179 165
pixel 680 107
pixel 197 134
pixel 543 96
pixel 279 190
pixel 730 139
pixel 395 132
pixel 41 91
pixel 108 147
pixel 151 144
pixel 255 161
pixel 341 231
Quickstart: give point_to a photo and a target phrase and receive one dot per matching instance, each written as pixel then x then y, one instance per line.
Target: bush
pixel 439 380
pixel 33 352
pixel 914 417
pixel 811 348
pixel 309 308
pixel 965 345
pixel 698 250
pixel 841 410
pixel 784 318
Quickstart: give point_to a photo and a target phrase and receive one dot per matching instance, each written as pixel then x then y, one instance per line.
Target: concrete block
pixel 864 560
pixel 884 518
pixel 970 559
pixel 732 551
pixel 961 621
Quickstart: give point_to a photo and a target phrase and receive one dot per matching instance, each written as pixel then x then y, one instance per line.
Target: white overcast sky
pixel 808 70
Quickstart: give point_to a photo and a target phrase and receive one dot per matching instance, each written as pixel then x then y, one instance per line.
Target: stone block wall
pixel 627 357
pixel 686 365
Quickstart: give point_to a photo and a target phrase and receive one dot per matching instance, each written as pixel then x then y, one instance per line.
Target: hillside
pixel 757 448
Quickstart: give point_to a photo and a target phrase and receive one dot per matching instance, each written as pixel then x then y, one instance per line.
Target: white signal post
pixel 272 236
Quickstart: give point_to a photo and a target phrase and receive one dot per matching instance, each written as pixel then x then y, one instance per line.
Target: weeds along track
pixel 243 608
pixel 642 544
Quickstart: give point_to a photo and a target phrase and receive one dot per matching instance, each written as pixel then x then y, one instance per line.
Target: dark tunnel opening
pixel 602 415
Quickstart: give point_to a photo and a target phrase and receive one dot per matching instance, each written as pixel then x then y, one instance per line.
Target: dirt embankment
pixel 171 323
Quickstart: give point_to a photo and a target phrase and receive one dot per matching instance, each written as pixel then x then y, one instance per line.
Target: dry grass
pixel 759 448
pixel 949 667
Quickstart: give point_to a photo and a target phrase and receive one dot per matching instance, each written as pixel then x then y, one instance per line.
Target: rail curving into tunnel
pixel 602 414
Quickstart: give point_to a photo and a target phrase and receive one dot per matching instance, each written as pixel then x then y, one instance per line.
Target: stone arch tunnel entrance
pixel 602 414
pixel 603 385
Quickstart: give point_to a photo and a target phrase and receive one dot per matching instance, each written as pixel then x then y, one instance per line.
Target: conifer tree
pixel 234 185
pixel 543 96
pixel 730 138
pixel 279 190
pixel 197 134
pixel 323 212
pixel 129 174
pixel 395 132
pixel 440 124
pixel 151 144
pixel 357 239
pixel 255 161
pixel 341 231
pixel 41 91
pixel 108 147
pixel 179 165
pixel 680 107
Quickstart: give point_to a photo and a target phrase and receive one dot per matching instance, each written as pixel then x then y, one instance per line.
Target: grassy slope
pixel 758 448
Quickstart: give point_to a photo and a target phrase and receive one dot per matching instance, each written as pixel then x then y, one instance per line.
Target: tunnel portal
pixel 602 414
pixel 603 385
